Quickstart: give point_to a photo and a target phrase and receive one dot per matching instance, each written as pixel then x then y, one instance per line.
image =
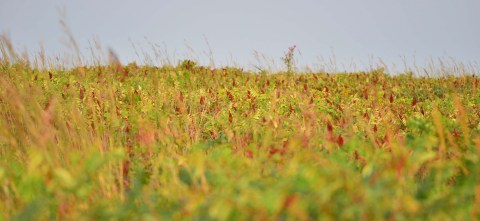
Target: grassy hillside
pixel 190 143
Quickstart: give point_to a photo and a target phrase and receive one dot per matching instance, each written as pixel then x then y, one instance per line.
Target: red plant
pixel 230 96
pixel 329 127
pixel 249 153
pixel 340 140
pixel 213 135
pixel 290 200
pixel 273 151
pixel 82 93
pixel 181 97
pixel 366 115
pixel 455 133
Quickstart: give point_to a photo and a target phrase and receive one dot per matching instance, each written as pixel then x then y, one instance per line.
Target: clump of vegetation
pixel 289 60
pixel 188 64
pixel 188 142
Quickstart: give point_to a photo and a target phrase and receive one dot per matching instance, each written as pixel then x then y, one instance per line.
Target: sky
pixel 341 33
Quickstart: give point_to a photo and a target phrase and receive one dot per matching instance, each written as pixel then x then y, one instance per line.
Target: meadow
pixel 187 142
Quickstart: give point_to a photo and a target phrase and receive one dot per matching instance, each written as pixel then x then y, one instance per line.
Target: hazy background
pixel 358 31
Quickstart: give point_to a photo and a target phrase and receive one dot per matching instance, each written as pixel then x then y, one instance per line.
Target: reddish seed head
pixel 82 93
pixel 181 97
pixel 127 128
pixel 385 138
pixel 340 140
pixel 249 153
pixel 356 155
pixel 230 96
pixel 213 135
pixel 329 127
pixel 455 133
pixel 391 98
pixel 273 151
pixel 291 199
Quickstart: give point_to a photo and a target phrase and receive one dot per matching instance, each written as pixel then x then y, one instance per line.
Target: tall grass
pixel 122 142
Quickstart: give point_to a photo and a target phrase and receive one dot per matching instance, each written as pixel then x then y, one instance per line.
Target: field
pixel 187 142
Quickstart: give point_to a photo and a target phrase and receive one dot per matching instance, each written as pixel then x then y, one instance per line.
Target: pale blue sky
pixel 354 30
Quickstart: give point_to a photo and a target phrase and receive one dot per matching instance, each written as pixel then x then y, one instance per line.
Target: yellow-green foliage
pixel 190 143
